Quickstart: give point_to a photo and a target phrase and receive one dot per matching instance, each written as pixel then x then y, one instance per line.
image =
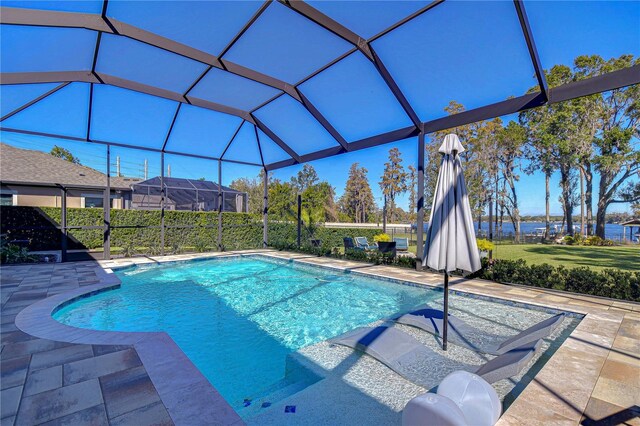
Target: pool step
pixel 297 378
pixel 264 401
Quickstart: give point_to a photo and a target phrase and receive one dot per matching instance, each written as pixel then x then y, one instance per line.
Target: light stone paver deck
pixel 78 378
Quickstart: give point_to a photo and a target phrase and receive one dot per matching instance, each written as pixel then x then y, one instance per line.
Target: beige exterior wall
pixel 37 197
pixel 37 201
pixel 50 197
pixel 116 203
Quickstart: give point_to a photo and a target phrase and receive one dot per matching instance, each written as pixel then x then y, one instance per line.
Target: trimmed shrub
pixel 612 283
pixel 594 240
pixel 138 231
pixel 484 244
pixel 198 231
pixel 385 238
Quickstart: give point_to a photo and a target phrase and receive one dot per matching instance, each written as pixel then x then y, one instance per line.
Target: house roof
pixel 185 184
pixel 28 166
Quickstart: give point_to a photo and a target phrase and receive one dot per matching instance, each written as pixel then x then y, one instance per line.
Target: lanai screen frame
pixel 103 24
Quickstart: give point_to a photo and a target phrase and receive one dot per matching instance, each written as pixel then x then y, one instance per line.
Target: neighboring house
pixel 186 194
pixel 35 178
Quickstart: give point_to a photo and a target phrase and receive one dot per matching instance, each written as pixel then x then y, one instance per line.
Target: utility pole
pixel 118 166
pixel 146 169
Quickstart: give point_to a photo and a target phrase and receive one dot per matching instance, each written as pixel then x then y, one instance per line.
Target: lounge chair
pixel 363 243
pixel 462 334
pixel 402 244
pixel 405 355
pixel 348 244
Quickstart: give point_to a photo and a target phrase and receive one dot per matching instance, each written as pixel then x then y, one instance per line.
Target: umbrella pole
pixel 445 324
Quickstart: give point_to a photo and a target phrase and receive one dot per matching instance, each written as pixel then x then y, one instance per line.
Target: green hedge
pixel 244 231
pixel 613 283
pixel 43 238
pixel 285 234
pixel 241 230
pixel 372 256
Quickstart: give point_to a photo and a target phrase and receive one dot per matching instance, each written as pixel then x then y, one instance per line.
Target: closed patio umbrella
pixel 451 239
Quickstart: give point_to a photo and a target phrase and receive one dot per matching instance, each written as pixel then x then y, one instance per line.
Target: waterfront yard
pixel 619 257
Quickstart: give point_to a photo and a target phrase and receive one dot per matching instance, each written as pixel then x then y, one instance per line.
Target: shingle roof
pixel 182 183
pixel 36 167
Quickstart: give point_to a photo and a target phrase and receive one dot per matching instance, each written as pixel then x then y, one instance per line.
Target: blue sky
pixel 483 60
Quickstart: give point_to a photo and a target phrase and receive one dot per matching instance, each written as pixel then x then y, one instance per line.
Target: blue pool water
pixel 238 318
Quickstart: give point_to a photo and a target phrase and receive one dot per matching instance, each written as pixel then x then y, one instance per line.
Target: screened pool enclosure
pixel 186 194
pixel 278 83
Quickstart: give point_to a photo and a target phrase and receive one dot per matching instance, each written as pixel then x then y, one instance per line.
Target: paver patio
pixel 78 378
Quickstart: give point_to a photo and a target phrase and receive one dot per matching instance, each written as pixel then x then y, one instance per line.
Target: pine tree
pixel 306 178
pixel 393 181
pixel 357 201
pixel 413 192
pixel 65 154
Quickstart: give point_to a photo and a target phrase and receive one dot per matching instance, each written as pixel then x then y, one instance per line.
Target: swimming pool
pixel 256 326
pixel 239 318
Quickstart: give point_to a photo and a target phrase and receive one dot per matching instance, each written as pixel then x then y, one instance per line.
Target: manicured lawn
pixel 598 258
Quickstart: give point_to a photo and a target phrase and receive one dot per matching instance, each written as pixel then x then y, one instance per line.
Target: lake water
pixel 613 231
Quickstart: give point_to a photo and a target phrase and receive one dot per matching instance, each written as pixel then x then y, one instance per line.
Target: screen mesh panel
pixel 34 49
pixel 359 103
pixel 13 97
pixel 126 116
pixel 614 27
pixel 288 52
pixel 132 60
pixel 205 25
pixel 295 125
pixel 425 65
pixel 203 132
pixel 64 113
pixel 317 78
pixel 229 89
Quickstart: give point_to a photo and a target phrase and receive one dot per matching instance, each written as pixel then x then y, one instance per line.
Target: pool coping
pixel 176 378
pixel 173 374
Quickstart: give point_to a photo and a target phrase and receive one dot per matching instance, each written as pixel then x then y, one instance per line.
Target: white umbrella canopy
pixel 451 239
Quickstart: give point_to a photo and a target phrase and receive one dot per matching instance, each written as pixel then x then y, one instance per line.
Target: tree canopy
pixel 393 181
pixel 357 202
pixel 65 154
